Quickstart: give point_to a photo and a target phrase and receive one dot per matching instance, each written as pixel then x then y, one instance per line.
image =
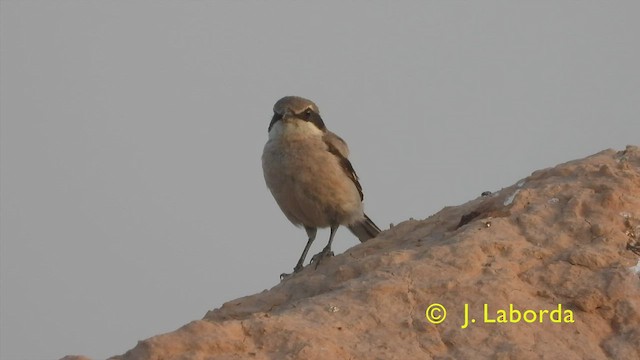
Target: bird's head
pixel 298 112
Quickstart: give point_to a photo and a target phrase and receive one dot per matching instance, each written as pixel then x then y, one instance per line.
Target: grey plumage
pixel 364 230
pixel 307 170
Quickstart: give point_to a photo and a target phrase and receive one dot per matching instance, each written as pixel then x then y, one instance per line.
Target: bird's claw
pixel 284 276
pixel 296 269
pixel 317 258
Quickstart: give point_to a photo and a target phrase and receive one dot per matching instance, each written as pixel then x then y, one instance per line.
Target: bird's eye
pixel 308 113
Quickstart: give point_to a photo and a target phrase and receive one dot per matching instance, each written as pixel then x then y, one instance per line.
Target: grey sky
pixel 132 197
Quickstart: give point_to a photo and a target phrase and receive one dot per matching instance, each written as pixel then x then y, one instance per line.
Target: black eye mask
pixel 307 115
pixel 312 117
pixel 276 117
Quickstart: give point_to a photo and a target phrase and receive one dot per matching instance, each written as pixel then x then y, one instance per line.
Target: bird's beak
pixel 288 114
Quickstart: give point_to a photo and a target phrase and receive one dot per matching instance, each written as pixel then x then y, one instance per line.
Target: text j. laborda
pixel 436 313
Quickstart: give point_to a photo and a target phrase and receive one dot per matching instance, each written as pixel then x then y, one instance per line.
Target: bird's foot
pixel 296 269
pixel 317 258
pixel 285 276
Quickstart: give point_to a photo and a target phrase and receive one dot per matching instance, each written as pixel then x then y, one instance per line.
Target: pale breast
pixel 309 184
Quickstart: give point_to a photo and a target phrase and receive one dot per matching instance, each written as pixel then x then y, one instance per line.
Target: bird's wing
pixel 337 142
pixel 339 148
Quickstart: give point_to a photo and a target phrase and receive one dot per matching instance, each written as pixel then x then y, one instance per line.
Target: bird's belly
pixel 310 186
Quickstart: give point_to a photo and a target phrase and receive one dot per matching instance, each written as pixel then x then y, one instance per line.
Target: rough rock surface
pixel 564 235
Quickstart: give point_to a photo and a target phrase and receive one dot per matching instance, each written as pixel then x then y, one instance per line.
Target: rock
pixel 513 256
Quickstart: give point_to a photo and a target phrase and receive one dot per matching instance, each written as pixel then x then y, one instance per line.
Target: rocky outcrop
pixel 547 268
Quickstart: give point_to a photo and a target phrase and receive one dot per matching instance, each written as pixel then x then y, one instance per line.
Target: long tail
pixel 365 229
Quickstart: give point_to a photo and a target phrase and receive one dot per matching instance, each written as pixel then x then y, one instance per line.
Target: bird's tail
pixel 365 229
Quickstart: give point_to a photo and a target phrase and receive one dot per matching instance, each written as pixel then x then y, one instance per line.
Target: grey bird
pixel 306 168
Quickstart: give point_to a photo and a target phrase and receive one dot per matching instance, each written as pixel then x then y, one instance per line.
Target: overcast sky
pixel 132 195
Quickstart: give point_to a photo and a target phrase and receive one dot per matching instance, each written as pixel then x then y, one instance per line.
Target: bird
pixel 307 170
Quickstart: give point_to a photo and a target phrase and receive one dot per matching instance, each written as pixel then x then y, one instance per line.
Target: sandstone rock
pixel 558 239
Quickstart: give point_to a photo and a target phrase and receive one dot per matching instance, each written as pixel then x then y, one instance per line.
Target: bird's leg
pixel 311 232
pixel 326 252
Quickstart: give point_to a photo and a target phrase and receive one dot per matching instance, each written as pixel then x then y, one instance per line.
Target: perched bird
pixel 307 170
